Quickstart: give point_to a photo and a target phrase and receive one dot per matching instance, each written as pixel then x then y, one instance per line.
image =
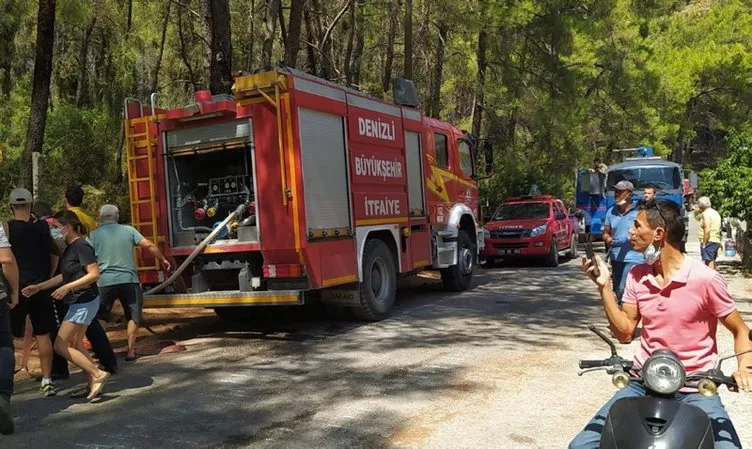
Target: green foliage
pixel 80 148
pixel 566 80
pixel 729 184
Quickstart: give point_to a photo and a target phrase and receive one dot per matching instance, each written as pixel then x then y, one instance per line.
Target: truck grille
pixel 510 234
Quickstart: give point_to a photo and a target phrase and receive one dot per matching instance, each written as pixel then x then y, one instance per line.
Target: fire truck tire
pixel 552 259
pixel 457 278
pixel 378 289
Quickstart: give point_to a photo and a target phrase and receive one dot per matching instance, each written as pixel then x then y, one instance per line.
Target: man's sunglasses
pixel 653 205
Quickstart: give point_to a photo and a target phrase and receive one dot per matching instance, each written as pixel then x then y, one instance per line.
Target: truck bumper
pixel 225 299
pixel 532 247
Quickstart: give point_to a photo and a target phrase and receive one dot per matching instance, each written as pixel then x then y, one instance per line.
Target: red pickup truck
pixel 536 226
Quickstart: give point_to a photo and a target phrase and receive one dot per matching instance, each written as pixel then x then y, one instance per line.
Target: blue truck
pixel 595 189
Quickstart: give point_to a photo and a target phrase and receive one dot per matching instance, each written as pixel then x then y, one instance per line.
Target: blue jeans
pixel 723 430
pixel 7 358
pixel 620 272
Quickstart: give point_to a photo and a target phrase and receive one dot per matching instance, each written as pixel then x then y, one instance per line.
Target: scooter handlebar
pixel 585 364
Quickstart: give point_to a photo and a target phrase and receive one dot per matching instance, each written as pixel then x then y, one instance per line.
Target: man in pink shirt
pixel 680 302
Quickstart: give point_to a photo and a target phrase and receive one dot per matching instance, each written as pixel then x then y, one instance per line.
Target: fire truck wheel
pixel 552 259
pixel 457 278
pixel 378 289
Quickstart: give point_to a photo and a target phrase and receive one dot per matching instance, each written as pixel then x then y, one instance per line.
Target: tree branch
pixel 187 8
pixel 334 22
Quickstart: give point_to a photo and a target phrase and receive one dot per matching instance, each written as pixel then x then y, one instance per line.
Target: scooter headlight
pixel 663 373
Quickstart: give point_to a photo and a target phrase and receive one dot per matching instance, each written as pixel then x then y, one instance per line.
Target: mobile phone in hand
pixel 591 255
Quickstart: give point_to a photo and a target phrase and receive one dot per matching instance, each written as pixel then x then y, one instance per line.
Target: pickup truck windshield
pixel 522 211
pixel 664 178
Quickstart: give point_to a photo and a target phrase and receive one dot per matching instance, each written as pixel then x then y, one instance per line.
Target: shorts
pixel 40 309
pixel 131 298
pixel 709 252
pixel 82 312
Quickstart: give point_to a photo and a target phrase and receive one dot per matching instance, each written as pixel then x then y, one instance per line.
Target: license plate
pixel 506 252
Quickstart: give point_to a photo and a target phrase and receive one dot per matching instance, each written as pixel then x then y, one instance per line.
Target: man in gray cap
pixel 619 219
pixel 114 244
pixel 37 257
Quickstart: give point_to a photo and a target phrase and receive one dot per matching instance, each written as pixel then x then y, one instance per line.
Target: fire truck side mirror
pixel 488 153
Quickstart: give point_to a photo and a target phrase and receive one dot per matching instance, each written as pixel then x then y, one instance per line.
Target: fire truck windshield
pixel 522 211
pixel 664 178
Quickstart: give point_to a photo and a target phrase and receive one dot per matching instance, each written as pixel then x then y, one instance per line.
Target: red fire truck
pixel 296 187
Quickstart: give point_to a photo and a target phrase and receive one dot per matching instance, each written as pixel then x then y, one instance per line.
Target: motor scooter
pixel 658 419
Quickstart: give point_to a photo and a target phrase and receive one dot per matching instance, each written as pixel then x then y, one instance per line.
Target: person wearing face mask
pixel 43 212
pixel 617 224
pixel 95 333
pixel 680 301
pixel 76 286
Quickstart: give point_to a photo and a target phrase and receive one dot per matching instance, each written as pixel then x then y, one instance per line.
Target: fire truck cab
pixel 293 187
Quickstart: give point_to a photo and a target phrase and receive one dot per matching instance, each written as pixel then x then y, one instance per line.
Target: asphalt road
pixel 494 367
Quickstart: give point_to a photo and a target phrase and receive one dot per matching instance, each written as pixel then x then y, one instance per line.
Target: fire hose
pixel 240 209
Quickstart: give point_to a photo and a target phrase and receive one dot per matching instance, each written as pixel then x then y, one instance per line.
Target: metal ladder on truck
pixel 141 143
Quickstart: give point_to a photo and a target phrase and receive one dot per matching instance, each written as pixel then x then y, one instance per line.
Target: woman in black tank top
pixel 77 286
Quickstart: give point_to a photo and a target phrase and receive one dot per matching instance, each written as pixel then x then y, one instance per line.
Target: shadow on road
pixel 279 388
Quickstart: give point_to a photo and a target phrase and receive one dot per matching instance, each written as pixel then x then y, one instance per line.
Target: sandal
pixel 97 385
pixel 131 358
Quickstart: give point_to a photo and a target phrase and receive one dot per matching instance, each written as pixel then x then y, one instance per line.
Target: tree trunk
pixel 350 45
pixel 270 29
pixel 130 16
pixel 324 38
pixel 311 44
pixel 119 159
pixel 434 100
pixel 326 65
pixel 40 92
pixel 6 84
pixel 360 24
pixel 426 51
pixel 293 33
pixel 206 38
pixel 251 36
pixel 11 22
pixel 282 25
pixel 184 53
pixel 386 78
pixel 221 63
pixel 82 89
pixel 408 65
pixel 215 21
pixel 107 78
pixel 155 82
pixel 480 83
